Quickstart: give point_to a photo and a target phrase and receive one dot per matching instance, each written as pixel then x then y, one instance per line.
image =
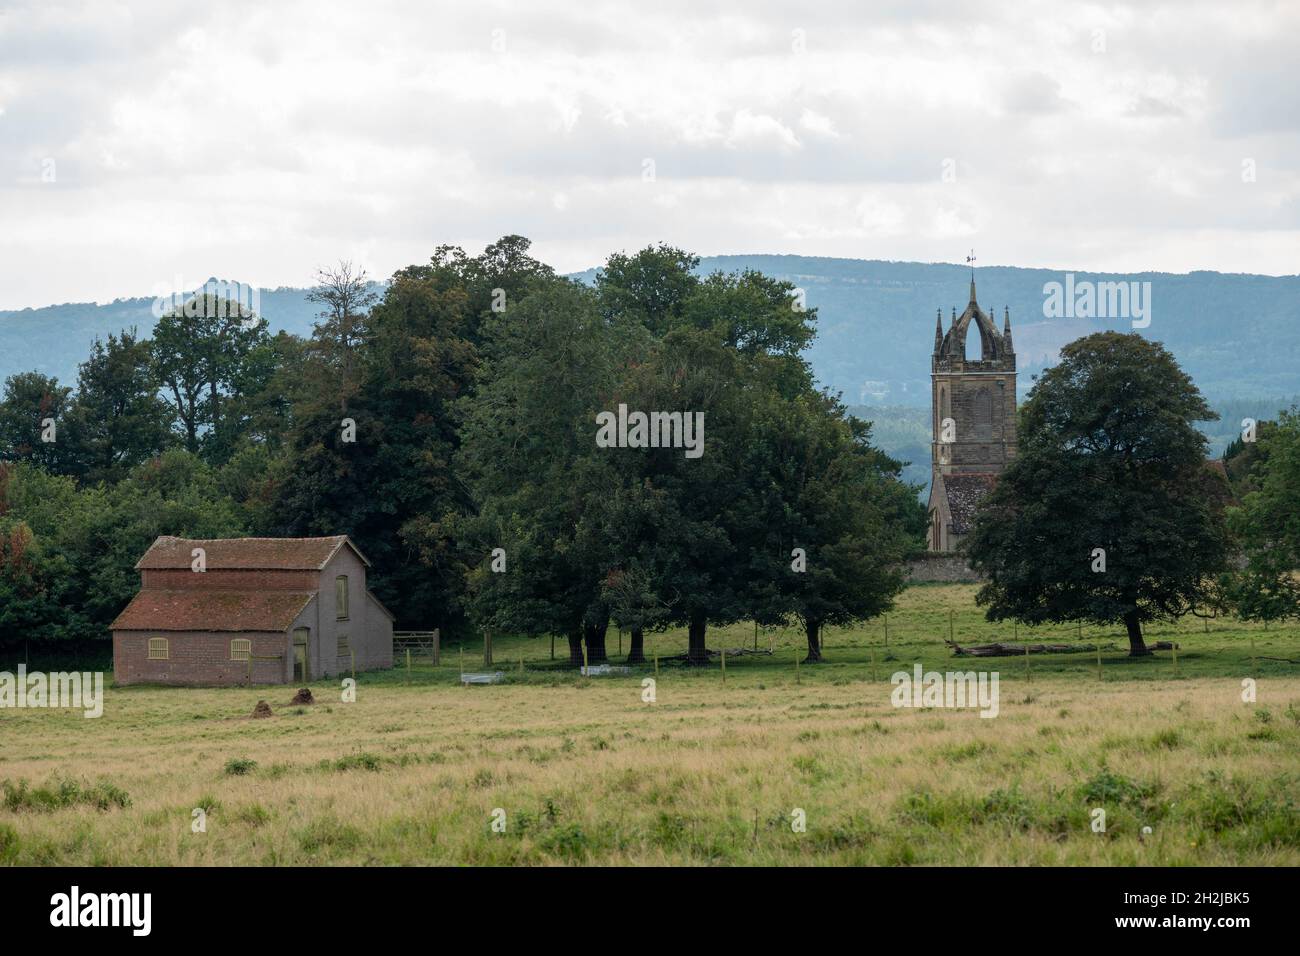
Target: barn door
pixel 301 659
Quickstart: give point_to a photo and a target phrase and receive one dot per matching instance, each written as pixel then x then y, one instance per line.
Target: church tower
pixel 974 419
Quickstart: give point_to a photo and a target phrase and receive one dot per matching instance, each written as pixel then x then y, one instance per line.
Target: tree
pixel 381 472
pixel 346 295
pixel 72 569
pixel 719 348
pixel 207 354
pixel 1267 525
pixel 1105 515
pixel 836 521
pixel 651 286
pixel 528 450
pixel 33 425
pixel 116 420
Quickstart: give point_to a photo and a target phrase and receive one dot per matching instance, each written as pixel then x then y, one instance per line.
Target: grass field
pixel 586 772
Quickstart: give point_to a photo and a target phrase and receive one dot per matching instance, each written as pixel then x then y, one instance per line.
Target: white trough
pixel 495 677
pixel 596 670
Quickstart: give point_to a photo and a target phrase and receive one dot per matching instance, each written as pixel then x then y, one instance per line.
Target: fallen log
pixel 1018 650
pixel 713 654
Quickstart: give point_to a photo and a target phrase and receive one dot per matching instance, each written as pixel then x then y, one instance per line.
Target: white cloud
pixel 259 142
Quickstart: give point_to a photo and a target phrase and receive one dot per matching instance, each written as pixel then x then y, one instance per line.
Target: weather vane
pixel 971 257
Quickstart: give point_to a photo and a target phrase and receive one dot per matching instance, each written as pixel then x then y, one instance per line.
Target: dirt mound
pixel 263 709
pixel 303 696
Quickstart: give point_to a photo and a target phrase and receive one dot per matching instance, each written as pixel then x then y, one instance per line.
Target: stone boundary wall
pixel 946 567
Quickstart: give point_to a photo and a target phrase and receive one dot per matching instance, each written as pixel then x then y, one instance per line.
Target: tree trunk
pixel 1136 646
pixel 696 652
pixel 575 648
pixel 595 637
pixel 636 654
pixel 814 631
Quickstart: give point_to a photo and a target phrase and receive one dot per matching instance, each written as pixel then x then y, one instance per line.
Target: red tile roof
pixel 246 554
pixel 159 610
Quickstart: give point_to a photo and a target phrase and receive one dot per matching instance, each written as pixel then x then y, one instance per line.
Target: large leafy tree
pixel 117 419
pixel 835 518
pixel 529 451
pixel 1108 513
pixel 722 347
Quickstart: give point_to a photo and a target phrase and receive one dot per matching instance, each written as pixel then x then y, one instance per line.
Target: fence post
pixel 1099 660
pixel 552 647
pixel 873 664
pixel 408 665
pixel 437 646
pixel 796 665
pixel 487 647
pixel 886 632
pixel 724 665
pixel 586 668
pixel 1027 677
pixel 353 655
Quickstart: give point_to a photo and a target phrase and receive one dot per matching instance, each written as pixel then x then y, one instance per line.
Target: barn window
pixel 240 649
pixel 345 650
pixel 341 597
pixel 158 649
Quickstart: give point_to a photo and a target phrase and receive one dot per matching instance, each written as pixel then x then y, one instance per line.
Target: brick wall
pixel 198 657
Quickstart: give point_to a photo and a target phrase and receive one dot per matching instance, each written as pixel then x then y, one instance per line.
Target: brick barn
pixel 291 609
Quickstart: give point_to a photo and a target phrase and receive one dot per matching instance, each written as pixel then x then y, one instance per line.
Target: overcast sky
pixel 144 143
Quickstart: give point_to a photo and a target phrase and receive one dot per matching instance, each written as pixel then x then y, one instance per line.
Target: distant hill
pixel 1238 336
pixel 56 338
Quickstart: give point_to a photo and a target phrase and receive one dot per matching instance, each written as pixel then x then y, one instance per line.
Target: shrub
pixel 58 794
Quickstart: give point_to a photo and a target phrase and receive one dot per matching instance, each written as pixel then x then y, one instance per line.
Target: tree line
pixel 447 422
